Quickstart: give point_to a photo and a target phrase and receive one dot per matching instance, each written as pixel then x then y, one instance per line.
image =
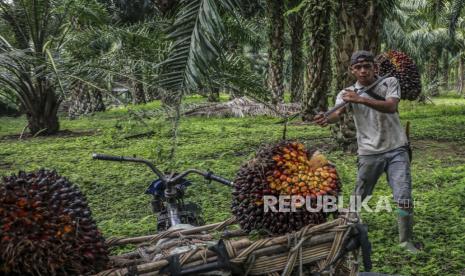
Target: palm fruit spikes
pixel 296 174
pixel 402 67
pixel 46 227
pixel 286 168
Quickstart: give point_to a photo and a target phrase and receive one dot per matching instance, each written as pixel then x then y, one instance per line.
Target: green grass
pixel 115 190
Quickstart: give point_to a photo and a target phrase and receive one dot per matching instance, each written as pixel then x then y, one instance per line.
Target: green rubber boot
pixel 405 223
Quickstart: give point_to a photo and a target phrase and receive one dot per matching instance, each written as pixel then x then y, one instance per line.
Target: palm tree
pixel 459 54
pixel 275 12
pixel 28 69
pixel 420 29
pixel 317 16
pixel 357 27
pixel 137 17
pixel 296 31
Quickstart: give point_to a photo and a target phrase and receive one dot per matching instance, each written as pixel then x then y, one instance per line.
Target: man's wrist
pixel 332 119
pixel 362 100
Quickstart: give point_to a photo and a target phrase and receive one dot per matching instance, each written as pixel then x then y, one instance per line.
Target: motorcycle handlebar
pixel 129 159
pixel 219 179
pixel 206 175
pixel 107 157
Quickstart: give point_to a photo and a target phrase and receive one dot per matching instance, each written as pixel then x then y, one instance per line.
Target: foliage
pixel 28 63
pixel 195 32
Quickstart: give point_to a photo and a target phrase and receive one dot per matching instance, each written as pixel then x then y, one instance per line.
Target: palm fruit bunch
pixel 46 227
pixel 402 67
pixel 287 168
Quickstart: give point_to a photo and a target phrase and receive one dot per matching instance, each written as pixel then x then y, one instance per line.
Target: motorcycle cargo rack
pixel 330 248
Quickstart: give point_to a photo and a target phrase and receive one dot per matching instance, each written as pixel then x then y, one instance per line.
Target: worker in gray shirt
pixel 382 142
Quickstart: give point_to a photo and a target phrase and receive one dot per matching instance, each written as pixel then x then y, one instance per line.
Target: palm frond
pixel 195 33
pixel 413 5
pixel 456 10
pixel 236 75
pixel 242 31
pixel 242 107
pixel 435 10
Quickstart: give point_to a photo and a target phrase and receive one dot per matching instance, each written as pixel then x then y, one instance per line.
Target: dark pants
pixel 396 165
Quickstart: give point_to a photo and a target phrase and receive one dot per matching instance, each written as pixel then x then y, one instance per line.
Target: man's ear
pixel 350 69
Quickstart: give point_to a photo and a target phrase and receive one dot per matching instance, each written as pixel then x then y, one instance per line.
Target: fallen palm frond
pixel 241 107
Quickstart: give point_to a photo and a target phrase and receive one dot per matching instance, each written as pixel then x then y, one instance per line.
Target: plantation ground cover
pixel 115 190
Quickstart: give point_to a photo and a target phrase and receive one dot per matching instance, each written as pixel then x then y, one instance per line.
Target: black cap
pixel 360 56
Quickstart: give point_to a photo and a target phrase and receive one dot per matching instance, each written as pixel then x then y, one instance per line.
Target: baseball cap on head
pixel 360 56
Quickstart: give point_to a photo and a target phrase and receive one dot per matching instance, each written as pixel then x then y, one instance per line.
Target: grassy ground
pixel 115 191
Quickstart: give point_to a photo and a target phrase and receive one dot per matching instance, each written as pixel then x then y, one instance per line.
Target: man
pixel 382 142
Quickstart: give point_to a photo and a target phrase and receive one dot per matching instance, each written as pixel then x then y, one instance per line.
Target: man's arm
pixel 334 117
pixel 387 106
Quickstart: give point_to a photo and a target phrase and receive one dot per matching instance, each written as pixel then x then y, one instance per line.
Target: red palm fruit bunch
pixel 46 227
pixel 402 67
pixel 289 169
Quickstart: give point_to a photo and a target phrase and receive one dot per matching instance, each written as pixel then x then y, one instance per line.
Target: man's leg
pixel 370 168
pixel 399 178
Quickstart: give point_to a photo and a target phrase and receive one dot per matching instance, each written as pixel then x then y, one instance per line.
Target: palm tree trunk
pixel 139 94
pixel 41 113
pixel 138 87
pixel 85 100
pixel 297 65
pixel 98 103
pixel 461 73
pixel 319 59
pixel 445 70
pixel 214 94
pixel 433 68
pixel 275 10
pixel 357 26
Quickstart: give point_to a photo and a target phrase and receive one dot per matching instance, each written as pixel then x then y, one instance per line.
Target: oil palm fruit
pixel 404 69
pixel 46 227
pixel 286 168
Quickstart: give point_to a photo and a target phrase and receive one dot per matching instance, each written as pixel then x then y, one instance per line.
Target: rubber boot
pixel 405 222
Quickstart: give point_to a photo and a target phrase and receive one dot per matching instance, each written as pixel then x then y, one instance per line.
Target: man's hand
pixel 320 119
pixel 351 96
pixel 387 106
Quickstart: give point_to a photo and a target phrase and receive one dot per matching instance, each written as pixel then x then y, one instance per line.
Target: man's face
pixel 364 71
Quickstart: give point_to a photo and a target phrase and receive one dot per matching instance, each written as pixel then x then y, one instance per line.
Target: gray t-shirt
pixel 377 132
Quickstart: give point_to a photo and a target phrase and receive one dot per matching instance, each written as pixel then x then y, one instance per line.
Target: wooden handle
pixel 336 107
